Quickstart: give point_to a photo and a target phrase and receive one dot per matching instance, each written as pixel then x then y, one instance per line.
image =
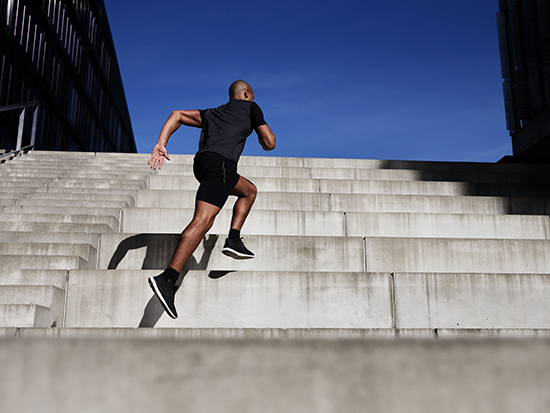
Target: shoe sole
pixel 153 285
pixel 230 252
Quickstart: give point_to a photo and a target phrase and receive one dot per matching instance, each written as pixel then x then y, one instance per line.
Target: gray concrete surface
pixel 472 301
pixel 273 376
pixel 239 299
pixel 362 224
pixel 362 203
pixel 273 253
pixel 457 255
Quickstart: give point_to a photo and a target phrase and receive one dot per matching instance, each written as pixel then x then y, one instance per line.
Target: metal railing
pixel 23 107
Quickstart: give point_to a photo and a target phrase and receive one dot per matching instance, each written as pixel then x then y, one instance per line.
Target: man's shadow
pixel 159 249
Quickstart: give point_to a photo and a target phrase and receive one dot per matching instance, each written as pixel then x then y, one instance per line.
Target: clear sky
pixel 391 79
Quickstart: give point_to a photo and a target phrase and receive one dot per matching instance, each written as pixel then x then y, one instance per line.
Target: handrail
pixel 24 107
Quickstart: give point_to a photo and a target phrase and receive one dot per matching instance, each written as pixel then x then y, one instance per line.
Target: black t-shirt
pixel 225 128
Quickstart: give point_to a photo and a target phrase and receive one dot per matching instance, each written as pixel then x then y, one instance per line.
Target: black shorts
pixel 217 176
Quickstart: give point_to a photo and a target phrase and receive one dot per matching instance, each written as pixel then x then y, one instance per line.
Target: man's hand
pixel 157 156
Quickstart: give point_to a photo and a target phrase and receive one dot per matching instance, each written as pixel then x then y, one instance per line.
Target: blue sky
pixel 392 79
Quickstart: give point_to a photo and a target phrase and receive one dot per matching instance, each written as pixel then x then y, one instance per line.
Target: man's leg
pixel 202 221
pixel 246 193
pixel 164 285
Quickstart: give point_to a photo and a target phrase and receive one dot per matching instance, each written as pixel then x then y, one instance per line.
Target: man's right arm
pixel 176 119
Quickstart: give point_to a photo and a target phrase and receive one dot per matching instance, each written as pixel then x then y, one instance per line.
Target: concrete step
pixel 7 202
pixel 457 255
pixel 275 375
pixel 315 223
pixel 59 262
pixel 270 333
pixel 27 173
pixel 119 174
pixel 25 182
pixel 44 295
pixel 471 301
pixel 99 183
pixel 153 251
pixel 85 251
pixel 337 163
pixel 50 238
pixel 11 194
pixel 31 306
pixel 83 204
pixel 288 201
pixel 29 216
pixel 56 278
pixel 301 253
pixel 55 227
pixel 253 172
pixel 232 300
pixel 18 189
pixel 272 161
pixel 115 193
pixel 33 208
pixel 313 300
pixel 259 222
pixel 248 333
pixel 87 197
pixel 27 315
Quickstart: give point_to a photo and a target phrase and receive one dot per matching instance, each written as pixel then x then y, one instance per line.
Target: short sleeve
pixel 256 115
pixel 202 112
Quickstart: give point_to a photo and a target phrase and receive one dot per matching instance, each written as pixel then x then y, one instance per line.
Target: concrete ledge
pixel 447 225
pixel 221 299
pixel 63 210
pixel 316 223
pixel 457 255
pixel 55 227
pixel 472 301
pixel 86 251
pixel 270 333
pixel 229 333
pixel 307 376
pixel 259 222
pixel 56 278
pixel 26 315
pixel 43 304
pixel 154 251
pixel 71 204
pixel 351 186
pixel 111 221
pixel 16 262
pixel 520 176
pixel 360 203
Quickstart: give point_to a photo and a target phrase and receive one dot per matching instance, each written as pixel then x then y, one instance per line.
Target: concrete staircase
pixel 450 259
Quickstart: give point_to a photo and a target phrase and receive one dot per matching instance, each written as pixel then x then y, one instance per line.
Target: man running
pixel 222 140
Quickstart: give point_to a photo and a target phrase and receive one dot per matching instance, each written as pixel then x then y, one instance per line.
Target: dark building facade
pixel 524 42
pixel 61 54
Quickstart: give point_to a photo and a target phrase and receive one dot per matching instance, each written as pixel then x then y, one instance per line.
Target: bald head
pixel 239 89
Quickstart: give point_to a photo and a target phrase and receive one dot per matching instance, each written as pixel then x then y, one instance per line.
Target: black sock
pixel 234 235
pixel 171 275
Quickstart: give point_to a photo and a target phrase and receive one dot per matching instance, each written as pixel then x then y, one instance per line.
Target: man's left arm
pixel 266 137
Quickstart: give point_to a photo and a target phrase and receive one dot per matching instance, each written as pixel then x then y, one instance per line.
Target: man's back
pixel 226 128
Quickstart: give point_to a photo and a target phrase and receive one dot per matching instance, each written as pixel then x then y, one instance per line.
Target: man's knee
pixel 253 191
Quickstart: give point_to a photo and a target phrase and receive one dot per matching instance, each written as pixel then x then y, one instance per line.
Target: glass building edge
pixel 61 53
pixel 524 44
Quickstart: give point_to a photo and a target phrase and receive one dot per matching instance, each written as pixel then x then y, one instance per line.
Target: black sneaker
pixel 236 249
pixel 165 292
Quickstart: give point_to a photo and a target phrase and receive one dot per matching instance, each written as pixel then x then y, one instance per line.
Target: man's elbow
pixel 269 146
